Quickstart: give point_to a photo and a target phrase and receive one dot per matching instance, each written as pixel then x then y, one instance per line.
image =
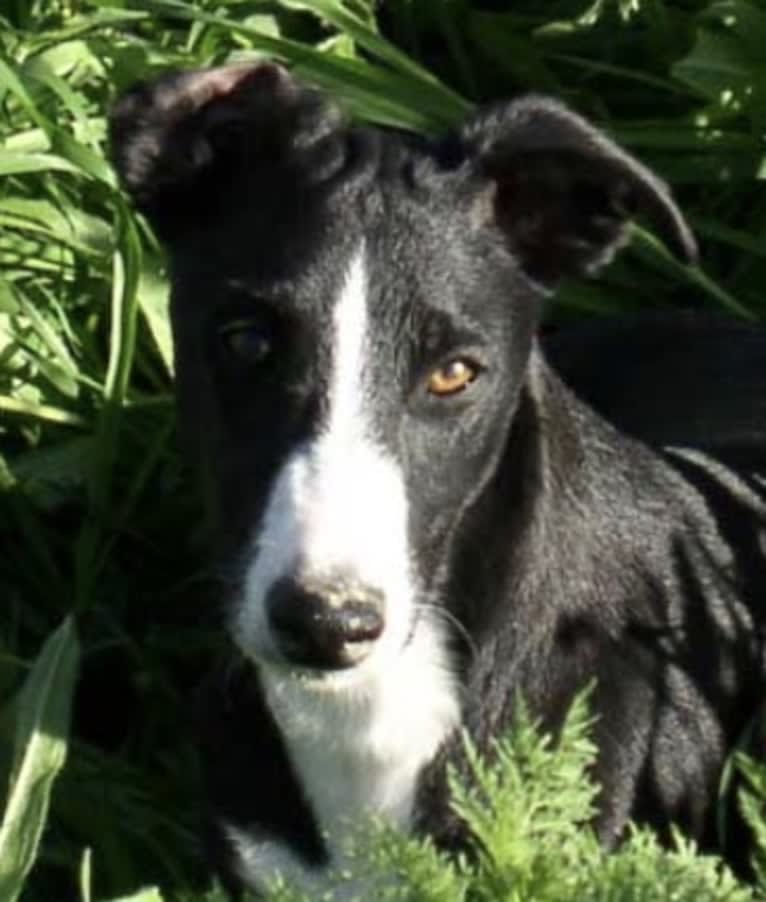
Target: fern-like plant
pixel 528 812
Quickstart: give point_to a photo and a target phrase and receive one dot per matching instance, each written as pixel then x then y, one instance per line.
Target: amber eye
pixel 452 377
pixel 247 340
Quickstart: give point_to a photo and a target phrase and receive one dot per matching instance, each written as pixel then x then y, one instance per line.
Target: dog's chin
pixel 334 682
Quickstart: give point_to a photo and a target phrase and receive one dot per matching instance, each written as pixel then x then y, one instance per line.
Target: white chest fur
pixel 357 743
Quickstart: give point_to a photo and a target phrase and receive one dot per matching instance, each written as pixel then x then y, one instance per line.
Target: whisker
pixel 442 613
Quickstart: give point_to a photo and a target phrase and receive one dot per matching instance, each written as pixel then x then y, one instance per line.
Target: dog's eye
pixel 247 340
pixel 452 377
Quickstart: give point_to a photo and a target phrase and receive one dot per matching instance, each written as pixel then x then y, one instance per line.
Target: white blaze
pixel 339 503
pixel 359 738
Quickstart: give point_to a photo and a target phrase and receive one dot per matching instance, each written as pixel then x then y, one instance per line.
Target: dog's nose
pixel 326 626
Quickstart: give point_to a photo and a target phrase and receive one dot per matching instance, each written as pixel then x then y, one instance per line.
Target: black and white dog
pixel 425 517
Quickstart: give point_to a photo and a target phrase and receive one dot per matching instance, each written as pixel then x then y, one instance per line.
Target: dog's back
pixel 686 378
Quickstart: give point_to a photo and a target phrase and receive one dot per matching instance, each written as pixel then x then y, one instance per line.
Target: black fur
pixel 569 544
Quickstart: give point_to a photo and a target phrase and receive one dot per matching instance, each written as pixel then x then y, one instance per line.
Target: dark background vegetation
pixel 98 519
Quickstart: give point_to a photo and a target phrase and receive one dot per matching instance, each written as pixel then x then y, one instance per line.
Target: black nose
pixel 327 626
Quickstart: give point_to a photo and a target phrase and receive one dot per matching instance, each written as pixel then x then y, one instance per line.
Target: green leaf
pixel 153 300
pixel 151 894
pixel 10 82
pixel 86 892
pixel 715 66
pixel 39 754
pixel 727 63
pixel 13 163
pixel 54 472
pixel 82 158
pixel 73 227
pixel 126 274
pixel 655 252
pixel 752 804
pixel 45 412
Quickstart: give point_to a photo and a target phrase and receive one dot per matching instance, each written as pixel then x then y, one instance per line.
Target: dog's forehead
pixel 289 238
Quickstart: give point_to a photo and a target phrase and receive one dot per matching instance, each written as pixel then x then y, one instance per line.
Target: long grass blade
pixel 40 752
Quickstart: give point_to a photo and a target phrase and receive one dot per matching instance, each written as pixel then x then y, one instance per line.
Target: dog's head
pixel 353 314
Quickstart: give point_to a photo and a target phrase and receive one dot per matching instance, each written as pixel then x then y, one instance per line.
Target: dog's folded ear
pixel 561 191
pixel 174 141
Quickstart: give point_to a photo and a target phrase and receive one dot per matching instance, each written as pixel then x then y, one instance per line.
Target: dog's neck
pixel 544 537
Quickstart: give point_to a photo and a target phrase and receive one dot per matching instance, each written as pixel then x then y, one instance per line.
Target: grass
pixel 103 571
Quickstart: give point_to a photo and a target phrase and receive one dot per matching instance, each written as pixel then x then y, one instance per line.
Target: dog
pixel 431 510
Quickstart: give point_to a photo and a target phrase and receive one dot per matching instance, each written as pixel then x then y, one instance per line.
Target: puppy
pixel 425 515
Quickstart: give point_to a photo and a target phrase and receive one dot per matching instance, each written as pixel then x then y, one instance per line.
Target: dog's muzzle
pixel 324 625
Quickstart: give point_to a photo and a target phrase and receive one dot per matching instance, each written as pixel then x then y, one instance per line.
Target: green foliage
pixel 98 520
pixel 529 810
pixel 528 813
pixel 752 799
